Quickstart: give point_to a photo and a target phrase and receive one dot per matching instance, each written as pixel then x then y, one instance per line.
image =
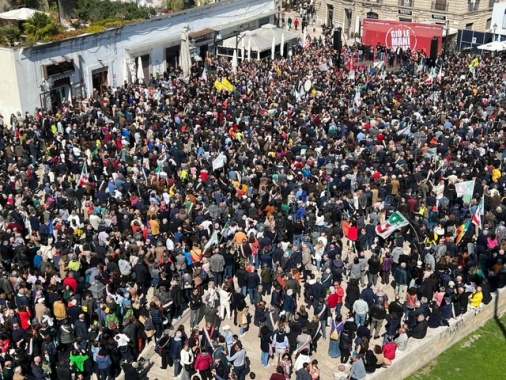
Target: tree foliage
pixel 40 27
pixel 175 5
pixel 9 35
pixel 95 10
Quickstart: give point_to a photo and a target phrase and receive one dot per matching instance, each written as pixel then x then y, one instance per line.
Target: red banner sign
pixel 394 34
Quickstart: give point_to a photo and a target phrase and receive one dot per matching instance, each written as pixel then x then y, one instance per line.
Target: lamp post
pixel 495 28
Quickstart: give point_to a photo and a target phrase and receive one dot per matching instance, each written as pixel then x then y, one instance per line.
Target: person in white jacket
pixel 186 362
pixel 225 297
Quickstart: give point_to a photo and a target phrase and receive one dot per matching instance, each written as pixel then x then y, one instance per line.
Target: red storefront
pixel 394 34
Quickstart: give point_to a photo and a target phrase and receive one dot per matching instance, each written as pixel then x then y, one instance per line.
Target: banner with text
pixel 394 34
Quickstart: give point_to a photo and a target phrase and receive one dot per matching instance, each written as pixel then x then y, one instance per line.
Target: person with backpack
pixel 266 277
pixel 164 350
pixel 280 344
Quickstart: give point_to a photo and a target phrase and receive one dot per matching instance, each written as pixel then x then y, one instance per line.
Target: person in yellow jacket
pixel 59 310
pixel 475 300
pixel 496 174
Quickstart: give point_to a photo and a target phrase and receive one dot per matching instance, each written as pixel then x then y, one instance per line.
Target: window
pixel 330 14
pixel 491 3
pixel 488 25
pixel 469 26
pixel 407 3
pixel 404 19
pixel 473 5
pixel 440 5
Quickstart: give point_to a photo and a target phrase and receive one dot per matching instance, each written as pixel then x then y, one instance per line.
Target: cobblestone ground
pixel 251 340
pixel 251 343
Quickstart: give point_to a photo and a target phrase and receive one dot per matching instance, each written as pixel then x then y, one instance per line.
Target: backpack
pixel 203 275
pixel 280 337
pixel 148 324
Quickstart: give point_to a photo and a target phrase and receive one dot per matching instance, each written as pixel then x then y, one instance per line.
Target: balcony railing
pixel 473 7
pixel 440 6
pixel 407 3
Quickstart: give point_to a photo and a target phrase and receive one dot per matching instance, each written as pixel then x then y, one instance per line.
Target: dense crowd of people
pixel 255 206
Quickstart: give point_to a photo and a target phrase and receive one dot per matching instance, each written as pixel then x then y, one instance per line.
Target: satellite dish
pixel 307 85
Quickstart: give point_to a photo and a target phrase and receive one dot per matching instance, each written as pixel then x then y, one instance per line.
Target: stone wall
pixel 421 352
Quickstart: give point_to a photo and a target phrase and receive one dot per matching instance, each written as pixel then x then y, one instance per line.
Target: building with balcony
pixel 462 14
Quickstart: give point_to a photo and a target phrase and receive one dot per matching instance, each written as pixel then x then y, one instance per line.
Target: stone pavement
pixel 251 343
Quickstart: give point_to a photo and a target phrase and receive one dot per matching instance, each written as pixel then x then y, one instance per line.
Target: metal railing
pixel 441 5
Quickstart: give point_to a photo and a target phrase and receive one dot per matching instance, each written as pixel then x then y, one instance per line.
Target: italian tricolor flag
pixel 396 221
pixel 83 179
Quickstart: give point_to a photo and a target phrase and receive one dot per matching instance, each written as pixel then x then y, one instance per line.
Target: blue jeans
pixel 323 325
pixel 267 286
pixel 318 265
pixel 244 290
pixel 338 308
pixel 177 367
pixel 251 293
pixel 218 278
pixel 228 271
pixel 296 240
pixel 360 319
pixel 264 358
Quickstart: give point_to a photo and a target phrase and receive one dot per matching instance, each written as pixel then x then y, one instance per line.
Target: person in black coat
pixel 81 328
pixel 460 301
pixel 141 277
pixel 164 347
pixel 352 293
pixel 419 330
pixel 346 340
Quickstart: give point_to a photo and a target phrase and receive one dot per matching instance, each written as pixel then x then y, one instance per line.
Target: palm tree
pixel 9 34
pixel 40 27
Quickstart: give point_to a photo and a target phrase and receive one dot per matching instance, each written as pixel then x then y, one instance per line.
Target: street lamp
pixel 495 28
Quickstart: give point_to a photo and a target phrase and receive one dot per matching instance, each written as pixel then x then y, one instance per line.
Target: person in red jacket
pixel 389 350
pixel 24 317
pixel 279 375
pixel 203 363
pixel 335 298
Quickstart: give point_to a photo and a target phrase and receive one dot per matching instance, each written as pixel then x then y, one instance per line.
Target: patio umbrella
pixel 21 14
pixel 185 58
pixel 234 62
pixel 282 46
pixel 273 48
pixel 493 46
pixel 140 70
pixel 249 48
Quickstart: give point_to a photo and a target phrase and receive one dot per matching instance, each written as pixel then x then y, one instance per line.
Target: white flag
pixel 219 161
pixel 405 131
pixel 465 190
pixel 212 240
pixel 396 221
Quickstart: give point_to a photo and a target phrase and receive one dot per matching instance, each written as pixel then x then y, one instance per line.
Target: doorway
pixel 100 78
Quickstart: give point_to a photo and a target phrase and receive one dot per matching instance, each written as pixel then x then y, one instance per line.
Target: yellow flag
pixel 474 63
pixel 227 85
pixel 218 85
pixel 278 70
